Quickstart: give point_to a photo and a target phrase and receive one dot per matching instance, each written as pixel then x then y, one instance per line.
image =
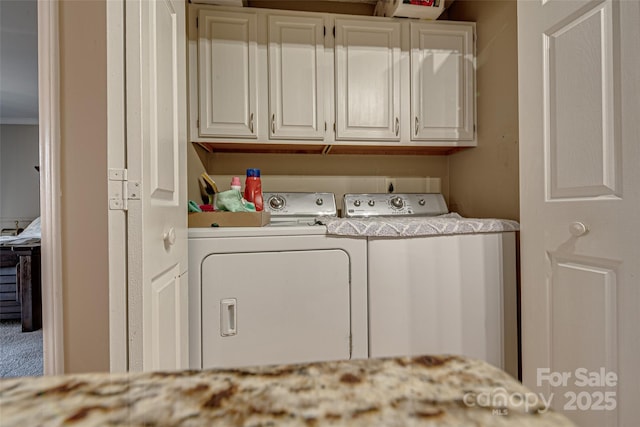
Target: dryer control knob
pixel 372 203
pixel 397 202
pixel 276 202
pixel 319 201
pixel 356 203
pixel 421 202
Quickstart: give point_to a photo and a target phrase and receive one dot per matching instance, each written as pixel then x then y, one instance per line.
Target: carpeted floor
pixel 20 352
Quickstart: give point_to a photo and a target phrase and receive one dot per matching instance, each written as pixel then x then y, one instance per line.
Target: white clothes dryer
pixel 277 294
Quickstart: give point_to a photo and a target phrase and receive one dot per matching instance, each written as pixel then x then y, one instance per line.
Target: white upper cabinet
pixel 260 76
pixel 442 82
pixel 227 54
pixel 367 69
pixel 296 77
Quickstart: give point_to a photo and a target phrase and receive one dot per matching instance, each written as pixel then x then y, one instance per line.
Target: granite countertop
pixel 427 390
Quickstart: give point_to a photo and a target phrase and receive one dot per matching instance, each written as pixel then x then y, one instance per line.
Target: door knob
pixel 169 237
pixel 578 229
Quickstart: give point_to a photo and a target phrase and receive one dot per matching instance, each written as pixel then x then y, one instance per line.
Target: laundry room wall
pixel 483 182
pixel 83 158
pixel 480 182
pixel 338 174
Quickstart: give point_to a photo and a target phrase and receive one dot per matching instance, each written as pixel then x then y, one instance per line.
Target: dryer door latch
pixel 228 313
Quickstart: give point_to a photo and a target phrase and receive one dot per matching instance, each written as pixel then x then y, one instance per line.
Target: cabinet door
pixel 442 83
pixel 227 55
pixel 296 77
pixel 367 80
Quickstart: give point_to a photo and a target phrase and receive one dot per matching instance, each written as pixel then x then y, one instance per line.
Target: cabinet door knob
pixel 417 127
pixel 578 229
pixel 397 126
pixel 273 124
pixel 251 122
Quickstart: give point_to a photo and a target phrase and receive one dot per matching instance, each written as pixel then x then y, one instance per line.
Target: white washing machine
pixel 284 293
pixel 449 293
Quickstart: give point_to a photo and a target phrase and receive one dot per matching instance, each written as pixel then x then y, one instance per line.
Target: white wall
pixel 19 180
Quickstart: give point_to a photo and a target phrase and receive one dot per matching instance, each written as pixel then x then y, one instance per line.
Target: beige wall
pixel 19 180
pixel 317 164
pixel 338 174
pixel 348 170
pixel 196 160
pixel 84 187
pixel 483 182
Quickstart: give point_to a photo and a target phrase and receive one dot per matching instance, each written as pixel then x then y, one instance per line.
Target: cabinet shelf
pixel 270 148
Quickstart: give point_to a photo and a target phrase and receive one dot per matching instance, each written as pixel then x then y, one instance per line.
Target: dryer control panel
pixel 291 205
pixel 383 204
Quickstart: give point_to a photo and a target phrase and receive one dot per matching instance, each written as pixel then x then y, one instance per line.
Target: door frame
pixel 117 159
pixel 50 188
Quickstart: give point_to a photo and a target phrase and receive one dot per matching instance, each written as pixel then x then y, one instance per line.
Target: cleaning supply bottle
pixel 235 184
pixel 253 188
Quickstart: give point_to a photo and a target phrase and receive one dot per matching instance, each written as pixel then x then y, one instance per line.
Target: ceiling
pixel 18 62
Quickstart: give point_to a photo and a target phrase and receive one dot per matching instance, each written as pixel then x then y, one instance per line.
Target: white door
pixel 156 156
pixel 442 82
pixel 296 77
pixel 275 307
pixel 367 80
pixel 227 61
pixel 579 92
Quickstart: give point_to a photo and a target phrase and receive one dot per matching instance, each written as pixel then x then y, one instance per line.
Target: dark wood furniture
pixel 9 295
pixel 28 292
